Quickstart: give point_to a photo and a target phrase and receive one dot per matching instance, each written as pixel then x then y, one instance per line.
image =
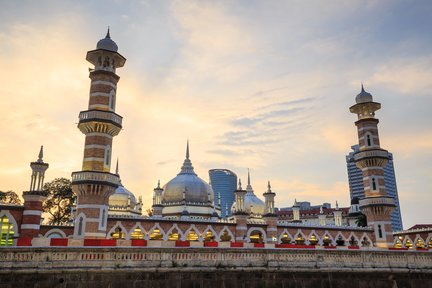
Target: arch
pixel 429 241
pixel 8 228
pixel 207 237
pixel 192 234
pixel 55 232
pixel 80 225
pixel 407 242
pixel 155 233
pixel 397 243
pixel 327 240
pixel 312 238
pixel 340 239
pixel 366 241
pixel 173 235
pixel 260 237
pixel 137 232
pixel 118 231
pixel 353 240
pixel 285 237
pixel 419 242
pixel 300 238
pixel 226 235
pixel 369 139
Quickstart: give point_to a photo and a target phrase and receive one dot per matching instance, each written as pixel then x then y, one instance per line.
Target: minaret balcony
pixel 371 158
pixel 93 177
pixel 103 116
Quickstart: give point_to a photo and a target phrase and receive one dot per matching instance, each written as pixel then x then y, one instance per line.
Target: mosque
pixel 186 211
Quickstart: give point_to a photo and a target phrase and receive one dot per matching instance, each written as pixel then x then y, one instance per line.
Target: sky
pixel 265 85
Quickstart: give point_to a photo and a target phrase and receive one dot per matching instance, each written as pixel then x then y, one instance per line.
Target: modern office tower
pixel 224 183
pixel 355 178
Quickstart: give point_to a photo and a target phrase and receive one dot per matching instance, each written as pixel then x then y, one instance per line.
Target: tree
pixel 59 201
pixel 9 197
pixel 149 212
pixel 361 220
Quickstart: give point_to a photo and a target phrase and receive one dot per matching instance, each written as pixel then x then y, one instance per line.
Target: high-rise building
pixel 355 178
pixel 224 183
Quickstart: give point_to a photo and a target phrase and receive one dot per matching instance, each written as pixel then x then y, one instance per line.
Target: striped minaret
pixel 94 184
pixel 33 199
pixel 371 159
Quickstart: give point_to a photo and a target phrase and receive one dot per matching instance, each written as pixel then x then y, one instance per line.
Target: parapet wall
pixel 83 258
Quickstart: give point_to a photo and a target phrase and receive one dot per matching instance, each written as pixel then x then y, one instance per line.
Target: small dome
pixel 121 197
pixel 363 97
pixel 107 43
pixel 252 204
pixel 355 201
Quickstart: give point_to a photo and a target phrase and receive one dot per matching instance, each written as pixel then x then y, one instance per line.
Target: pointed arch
pixel 118 231
pixel 224 233
pixel 171 231
pixel 8 228
pixel 353 240
pixel 366 241
pixel 285 235
pixel 134 232
pixel 80 225
pixel 189 235
pixel 419 242
pixel 408 243
pixel 300 237
pixel 313 238
pixel 262 237
pixel 327 239
pixel 206 235
pixel 155 233
pixel 340 239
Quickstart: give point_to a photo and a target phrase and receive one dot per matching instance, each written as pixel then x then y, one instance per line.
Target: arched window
pixel 107 155
pixel 368 140
pixel 112 99
pixel 7 233
pixel 380 235
pixel 103 218
pixel 374 186
pixel 80 226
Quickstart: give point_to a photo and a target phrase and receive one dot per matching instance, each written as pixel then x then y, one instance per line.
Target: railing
pixel 97 114
pixel 285 223
pixel 95 176
pixel 377 201
pixel 371 153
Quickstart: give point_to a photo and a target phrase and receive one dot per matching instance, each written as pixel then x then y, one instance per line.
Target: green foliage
pixel 9 197
pixel 361 220
pixel 59 201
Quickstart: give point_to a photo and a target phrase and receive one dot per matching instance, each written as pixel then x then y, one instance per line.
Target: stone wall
pixel 212 267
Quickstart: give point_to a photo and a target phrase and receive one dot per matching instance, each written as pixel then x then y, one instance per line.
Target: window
pixel 380 235
pixel 80 226
pixel 368 140
pixel 374 186
pixel 7 233
pixel 107 156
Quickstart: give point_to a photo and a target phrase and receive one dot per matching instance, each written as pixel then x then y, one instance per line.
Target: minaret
pixel 371 159
pixel 296 211
pixel 337 213
pixel 269 216
pixel 34 198
pixel 157 201
pixel 94 184
pixel 240 214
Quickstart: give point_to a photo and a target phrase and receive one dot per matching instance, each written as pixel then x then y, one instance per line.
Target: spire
pixel 249 188
pixel 239 185
pixel 248 177
pixel 321 210
pixel 187 167
pixel 40 157
pixel 117 168
pixel 337 205
pixel 108 34
pixel 362 88
pixel 158 184
pixel 269 187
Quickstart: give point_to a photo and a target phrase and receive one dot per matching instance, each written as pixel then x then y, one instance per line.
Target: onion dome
pixel 252 204
pixel 107 43
pixel 187 186
pixel 363 96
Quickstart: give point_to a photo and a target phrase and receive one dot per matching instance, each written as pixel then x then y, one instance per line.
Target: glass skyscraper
pixel 355 178
pixel 224 183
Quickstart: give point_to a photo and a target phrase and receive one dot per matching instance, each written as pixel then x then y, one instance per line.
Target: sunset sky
pixel 265 85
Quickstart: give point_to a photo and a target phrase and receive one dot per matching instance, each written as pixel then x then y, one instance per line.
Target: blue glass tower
pixel 224 183
pixel 355 178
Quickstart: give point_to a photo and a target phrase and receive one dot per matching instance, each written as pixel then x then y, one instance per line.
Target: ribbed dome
pixel 107 43
pixel 121 197
pixel 188 183
pixel 363 97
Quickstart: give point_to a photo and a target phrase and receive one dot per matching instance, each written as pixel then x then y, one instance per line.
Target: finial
pixel 321 210
pixel 337 205
pixel 248 177
pixel 187 149
pixel 268 186
pixel 158 184
pixel 239 185
pixel 362 88
pixel 108 33
pixel 117 168
pixel 40 157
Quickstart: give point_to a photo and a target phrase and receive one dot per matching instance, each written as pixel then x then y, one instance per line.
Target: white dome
pixel 252 204
pixel 187 182
pixel 121 197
